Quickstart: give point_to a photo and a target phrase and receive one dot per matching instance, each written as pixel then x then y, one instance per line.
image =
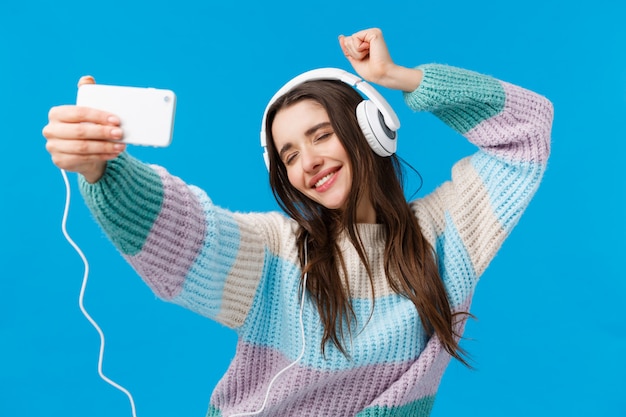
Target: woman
pixel 388 283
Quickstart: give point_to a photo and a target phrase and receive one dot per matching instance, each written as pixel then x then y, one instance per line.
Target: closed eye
pixel 290 158
pixel 323 136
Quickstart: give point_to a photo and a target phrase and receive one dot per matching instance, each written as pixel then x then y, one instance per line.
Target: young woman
pixel 387 284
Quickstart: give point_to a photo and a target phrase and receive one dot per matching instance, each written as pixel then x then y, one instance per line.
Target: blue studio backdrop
pixel 550 333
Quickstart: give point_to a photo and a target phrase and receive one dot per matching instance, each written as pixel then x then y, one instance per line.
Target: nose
pixel 311 160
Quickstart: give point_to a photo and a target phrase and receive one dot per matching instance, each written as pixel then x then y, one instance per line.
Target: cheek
pixel 294 180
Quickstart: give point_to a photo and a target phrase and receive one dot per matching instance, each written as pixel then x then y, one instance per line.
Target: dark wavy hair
pixel 410 262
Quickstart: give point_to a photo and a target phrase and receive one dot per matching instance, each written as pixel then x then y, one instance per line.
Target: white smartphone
pixel 146 114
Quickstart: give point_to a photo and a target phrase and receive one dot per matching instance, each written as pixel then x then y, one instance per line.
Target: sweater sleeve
pixel 468 218
pixel 189 251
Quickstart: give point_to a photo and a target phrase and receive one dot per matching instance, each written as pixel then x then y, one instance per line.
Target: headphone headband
pixel 389 116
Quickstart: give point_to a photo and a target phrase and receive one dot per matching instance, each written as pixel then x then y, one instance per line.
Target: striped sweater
pixel 242 269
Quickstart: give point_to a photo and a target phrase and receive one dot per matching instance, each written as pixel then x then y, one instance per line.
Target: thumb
pixel 342 45
pixel 86 79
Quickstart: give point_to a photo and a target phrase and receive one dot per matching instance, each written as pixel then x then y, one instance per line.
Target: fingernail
pixel 113 120
pixel 119 147
pixel 87 79
pixel 116 133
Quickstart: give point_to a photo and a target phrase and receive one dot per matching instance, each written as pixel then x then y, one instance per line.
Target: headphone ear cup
pixel 381 139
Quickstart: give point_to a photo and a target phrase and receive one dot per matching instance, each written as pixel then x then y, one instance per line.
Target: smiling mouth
pixel 323 180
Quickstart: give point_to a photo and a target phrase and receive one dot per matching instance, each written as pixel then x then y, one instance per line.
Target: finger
pixel 83 150
pixel 367 35
pixel 85 130
pixel 84 164
pixel 369 41
pixel 86 79
pixel 376 41
pixel 353 47
pixel 86 157
pixel 344 46
pixel 357 47
pixel 78 114
pixel 362 47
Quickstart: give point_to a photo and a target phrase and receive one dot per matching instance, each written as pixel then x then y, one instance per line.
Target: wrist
pixel 94 174
pixel 402 78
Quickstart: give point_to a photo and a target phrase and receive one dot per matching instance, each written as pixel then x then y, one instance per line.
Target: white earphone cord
pixel 102 340
pixel 267 393
pixel 82 295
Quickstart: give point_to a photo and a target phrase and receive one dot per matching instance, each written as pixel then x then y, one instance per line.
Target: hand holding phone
pixel 146 114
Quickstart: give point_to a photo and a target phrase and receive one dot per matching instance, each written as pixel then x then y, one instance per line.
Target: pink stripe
pixel 422 379
pixel 299 391
pixel 303 391
pixel 175 239
pixel 524 124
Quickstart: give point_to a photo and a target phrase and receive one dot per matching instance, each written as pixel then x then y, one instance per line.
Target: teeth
pixel 323 180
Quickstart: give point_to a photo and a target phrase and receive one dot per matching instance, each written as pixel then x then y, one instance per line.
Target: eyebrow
pixel 315 128
pixel 310 131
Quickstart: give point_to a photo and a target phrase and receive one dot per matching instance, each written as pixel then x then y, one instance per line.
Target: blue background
pixel 550 334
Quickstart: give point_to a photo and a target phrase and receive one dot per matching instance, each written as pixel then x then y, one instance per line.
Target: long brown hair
pixel 410 263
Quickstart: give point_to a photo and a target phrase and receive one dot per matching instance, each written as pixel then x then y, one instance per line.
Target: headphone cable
pixel 82 296
pixel 298 359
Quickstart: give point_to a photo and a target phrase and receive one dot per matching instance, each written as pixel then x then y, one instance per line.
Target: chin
pixel 335 206
pixel 331 203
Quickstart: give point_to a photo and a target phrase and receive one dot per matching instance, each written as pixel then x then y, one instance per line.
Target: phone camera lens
pixel 166 99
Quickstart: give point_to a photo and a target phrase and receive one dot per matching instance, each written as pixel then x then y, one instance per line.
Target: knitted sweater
pixel 242 269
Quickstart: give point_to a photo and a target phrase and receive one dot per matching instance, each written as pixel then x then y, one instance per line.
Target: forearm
pixel 185 248
pixel 496 116
pixel 125 201
pixel 401 78
pixel 490 190
pixel 152 218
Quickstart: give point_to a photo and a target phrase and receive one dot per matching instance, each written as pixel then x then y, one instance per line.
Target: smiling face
pixel 316 161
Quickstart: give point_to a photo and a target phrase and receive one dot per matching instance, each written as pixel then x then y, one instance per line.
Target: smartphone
pixel 146 114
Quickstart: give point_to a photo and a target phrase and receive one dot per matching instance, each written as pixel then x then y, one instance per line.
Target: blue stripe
pixel 204 284
pixel 393 334
pixel 510 186
pixel 455 265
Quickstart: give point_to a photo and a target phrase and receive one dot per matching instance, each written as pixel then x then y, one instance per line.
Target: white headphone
pixel 376 118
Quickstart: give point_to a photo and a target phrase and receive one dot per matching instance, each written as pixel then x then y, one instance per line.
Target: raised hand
pixel 368 54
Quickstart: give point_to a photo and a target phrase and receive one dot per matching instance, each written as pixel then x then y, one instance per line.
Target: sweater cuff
pixel 125 201
pixel 461 98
